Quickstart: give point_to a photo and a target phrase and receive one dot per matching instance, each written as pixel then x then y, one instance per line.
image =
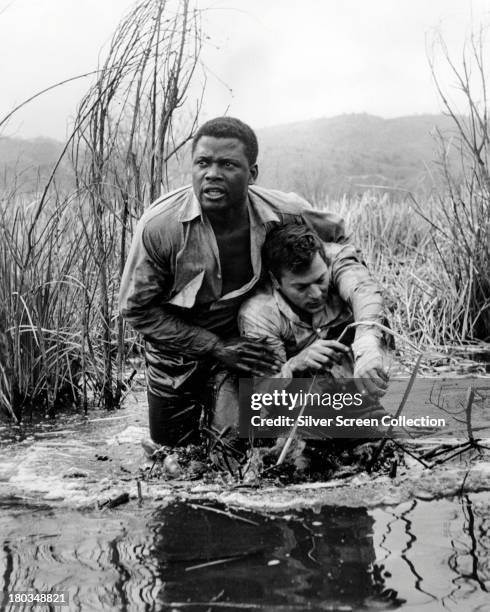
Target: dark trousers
pixel 174 419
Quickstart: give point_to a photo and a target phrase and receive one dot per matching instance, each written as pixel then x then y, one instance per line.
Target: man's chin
pixel 313 309
pixel 213 204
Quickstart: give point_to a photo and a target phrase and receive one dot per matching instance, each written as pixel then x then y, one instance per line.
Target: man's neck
pixel 229 220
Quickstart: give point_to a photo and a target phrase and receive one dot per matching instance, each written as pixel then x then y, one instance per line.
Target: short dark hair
pixel 230 127
pixel 290 247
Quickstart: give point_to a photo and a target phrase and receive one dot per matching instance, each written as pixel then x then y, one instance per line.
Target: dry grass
pixel 414 257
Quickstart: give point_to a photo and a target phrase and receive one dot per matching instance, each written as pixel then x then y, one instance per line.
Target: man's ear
pixel 254 173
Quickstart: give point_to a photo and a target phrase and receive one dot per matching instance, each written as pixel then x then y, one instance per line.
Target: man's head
pixel 224 156
pixel 295 258
pixel 230 127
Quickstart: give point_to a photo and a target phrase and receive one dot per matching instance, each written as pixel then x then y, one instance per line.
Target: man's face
pixel 221 173
pixel 307 290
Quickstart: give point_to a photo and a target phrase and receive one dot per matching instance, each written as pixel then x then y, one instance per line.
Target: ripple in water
pixel 185 556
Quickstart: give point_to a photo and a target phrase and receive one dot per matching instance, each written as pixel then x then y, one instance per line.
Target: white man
pixel 314 290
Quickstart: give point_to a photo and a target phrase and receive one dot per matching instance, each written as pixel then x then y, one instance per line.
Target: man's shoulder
pixel 261 295
pixel 262 302
pixel 279 200
pixel 288 207
pixel 339 252
pixel 332 249
pixel 170 204
pixel 166 212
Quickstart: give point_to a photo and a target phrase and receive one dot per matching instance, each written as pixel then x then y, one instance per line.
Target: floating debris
pixel 74 472
pixel 113 502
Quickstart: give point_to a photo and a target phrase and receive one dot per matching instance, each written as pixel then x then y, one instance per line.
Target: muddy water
pixel 414 556
pixel 363 543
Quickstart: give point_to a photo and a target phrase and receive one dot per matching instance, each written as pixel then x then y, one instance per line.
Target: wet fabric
pixel 353 295
pixel 174 421
pixel 171 289
pixel 212 399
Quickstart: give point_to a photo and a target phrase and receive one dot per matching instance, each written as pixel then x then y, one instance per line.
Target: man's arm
pixel 146 286
pixel 357 287
pixel 293 208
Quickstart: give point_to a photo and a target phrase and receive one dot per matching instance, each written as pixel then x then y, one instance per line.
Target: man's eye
pixel 228 164
pixel 201 163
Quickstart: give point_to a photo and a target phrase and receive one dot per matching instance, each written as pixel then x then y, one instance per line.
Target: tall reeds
pixel 125 136
pixel 39 305
pixel 424 299
pixel 61 256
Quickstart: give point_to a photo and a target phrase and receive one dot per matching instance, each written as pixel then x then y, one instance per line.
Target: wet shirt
pixel 172 285
pixel 353 295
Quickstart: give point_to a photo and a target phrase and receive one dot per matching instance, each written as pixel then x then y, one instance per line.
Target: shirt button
pixel 219 276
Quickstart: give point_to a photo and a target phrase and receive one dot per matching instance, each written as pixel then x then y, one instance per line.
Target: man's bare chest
pixel 235 259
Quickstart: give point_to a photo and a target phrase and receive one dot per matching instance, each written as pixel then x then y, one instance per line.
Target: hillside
pixel 321 158
pixel 329 157
pixel 26 164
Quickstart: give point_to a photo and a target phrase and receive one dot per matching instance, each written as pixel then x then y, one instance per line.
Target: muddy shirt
pixel 172 286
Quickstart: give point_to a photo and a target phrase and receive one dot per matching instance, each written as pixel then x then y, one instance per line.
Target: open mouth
pixel 214 193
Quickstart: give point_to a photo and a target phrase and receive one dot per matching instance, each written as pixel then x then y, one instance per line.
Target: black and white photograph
pixel 245 305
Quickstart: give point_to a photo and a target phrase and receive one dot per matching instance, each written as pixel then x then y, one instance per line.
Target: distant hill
pixel 330 157
pixel 26 164
pixel 322 158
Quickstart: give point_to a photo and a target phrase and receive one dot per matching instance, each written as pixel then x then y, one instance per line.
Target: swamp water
pixel 414 556
pixel 362 544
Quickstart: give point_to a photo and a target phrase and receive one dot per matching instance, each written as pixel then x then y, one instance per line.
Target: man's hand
pixel 370 366
pixel 319 355
pixel 252 357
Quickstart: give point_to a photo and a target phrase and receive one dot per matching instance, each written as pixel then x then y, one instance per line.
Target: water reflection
pixel 431 554
pixel 470 560
pixel 437 553
pixel 311 559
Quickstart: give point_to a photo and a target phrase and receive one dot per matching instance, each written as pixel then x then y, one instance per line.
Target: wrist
pixel 365 343
pixel 217 348
pixel 294 364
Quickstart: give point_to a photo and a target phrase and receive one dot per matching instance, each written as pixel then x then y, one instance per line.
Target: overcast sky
pixel 284 60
